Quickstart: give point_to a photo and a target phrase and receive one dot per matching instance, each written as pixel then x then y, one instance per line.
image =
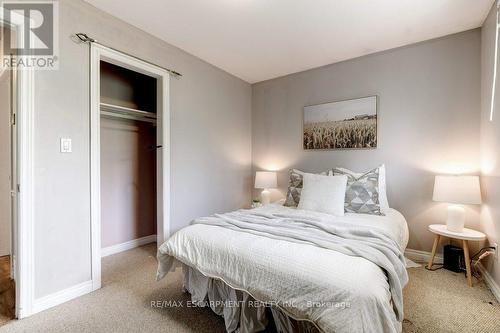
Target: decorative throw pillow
pixel 361 194
pixel 295 184
pixel 382 188
pixel 323 194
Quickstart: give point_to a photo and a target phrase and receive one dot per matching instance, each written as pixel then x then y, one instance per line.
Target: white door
pixel 7 139
pixel 163 161
pixel 14 181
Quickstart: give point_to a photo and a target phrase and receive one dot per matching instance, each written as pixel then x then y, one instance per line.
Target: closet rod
pixel 117 111
pixel 114 115
pixel 86 39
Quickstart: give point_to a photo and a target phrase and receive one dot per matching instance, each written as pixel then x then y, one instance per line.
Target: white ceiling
pixel 258 40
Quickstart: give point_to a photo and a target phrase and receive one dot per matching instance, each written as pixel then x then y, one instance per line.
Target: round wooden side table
pixel 465 236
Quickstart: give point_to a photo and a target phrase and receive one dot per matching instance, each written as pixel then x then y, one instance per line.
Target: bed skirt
pixel 241 312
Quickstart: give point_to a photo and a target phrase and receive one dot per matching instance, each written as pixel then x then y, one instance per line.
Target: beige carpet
pixel 434 302
pixel 441 301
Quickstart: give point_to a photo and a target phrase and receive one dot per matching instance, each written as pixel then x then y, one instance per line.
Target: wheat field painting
pixel 350 124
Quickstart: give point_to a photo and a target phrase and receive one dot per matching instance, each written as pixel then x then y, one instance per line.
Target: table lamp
pixel 457 191
pixel 265 180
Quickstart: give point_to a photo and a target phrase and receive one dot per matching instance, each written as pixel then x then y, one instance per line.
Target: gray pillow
pixel 361 195
pixel 295 184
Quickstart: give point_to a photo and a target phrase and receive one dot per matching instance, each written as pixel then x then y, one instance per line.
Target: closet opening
pixel 128 159
pixel 129 154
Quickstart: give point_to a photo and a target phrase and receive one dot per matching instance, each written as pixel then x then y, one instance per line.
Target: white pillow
pixel 382 188
pixel 325 194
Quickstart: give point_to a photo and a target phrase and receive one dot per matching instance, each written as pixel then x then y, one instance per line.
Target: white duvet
pixel 335 291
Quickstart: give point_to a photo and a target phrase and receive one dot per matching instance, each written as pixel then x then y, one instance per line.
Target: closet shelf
pixel 117 111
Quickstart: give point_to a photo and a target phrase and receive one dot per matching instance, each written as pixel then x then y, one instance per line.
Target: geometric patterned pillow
pixel 295 184
pixel 361 195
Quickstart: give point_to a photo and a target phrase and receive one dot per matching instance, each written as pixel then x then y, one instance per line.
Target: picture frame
pixel 340 125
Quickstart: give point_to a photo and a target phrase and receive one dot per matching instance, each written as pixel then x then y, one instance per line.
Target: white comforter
pixel 337 292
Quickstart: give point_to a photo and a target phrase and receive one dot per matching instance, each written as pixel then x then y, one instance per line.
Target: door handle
pixel 151 148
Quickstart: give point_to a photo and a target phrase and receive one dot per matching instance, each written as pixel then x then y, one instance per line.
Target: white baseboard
pixel 423 256
pixel 62 296
pixel 81 289
pixel 488 279
pixel 107 251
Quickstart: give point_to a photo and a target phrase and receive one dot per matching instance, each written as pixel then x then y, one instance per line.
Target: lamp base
pixel 265 197
pixel 456 218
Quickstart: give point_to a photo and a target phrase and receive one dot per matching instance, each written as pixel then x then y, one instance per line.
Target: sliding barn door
pixel 163 161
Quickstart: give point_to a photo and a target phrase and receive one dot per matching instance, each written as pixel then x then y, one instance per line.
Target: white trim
pixel 61 296
pixel 113 249
pixel 98 53
pixel 23 250
pixel 490 282
pixel 423 256
pixel 95 168
pixel 25 284
pixel 493 85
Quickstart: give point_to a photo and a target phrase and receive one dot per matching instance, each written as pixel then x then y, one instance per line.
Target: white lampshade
pixel 457 189
pixel 266 179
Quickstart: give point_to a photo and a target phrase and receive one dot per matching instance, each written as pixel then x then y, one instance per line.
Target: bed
pixel 313 271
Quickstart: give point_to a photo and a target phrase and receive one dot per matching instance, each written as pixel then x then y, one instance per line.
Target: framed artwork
pixel 348 124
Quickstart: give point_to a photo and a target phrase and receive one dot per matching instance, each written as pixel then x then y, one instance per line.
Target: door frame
pixel 23 222
pixel 97 53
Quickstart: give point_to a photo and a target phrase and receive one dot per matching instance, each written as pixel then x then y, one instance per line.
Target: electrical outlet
pixel 66 145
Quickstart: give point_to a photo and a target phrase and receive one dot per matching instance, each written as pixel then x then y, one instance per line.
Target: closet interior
pixel 128 134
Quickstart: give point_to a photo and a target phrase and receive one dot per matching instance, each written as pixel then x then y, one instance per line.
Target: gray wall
pixel 5 160
pixel 490 141
pixel 429 96
pixel 210 142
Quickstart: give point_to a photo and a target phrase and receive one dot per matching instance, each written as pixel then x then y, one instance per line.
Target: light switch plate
pixel 66 145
